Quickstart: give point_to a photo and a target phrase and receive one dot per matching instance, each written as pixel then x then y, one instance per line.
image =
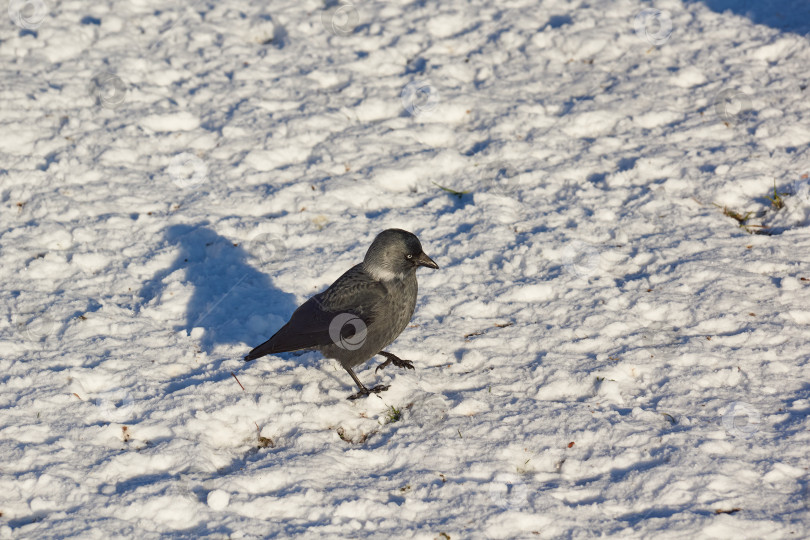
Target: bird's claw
pixel 405 364
pixel 367 391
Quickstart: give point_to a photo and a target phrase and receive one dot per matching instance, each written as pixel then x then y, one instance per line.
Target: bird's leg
pixel 393 359
pixel 363 390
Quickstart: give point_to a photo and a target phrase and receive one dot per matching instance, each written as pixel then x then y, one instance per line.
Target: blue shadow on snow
pixel 227 290
pixel 785 15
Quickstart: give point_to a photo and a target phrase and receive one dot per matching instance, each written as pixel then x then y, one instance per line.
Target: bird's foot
pixel 392 359
pixel 368 391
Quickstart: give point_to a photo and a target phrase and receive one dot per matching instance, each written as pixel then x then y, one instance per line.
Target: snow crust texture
pixel 617 342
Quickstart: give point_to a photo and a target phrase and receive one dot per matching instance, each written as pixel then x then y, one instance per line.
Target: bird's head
pixel 394 254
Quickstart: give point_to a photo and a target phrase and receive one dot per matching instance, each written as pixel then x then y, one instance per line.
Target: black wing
pixel 355 293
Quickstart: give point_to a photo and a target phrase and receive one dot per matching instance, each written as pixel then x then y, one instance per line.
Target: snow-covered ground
pixel 605 351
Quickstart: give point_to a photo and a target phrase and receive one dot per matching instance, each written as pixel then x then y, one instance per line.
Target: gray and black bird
pixel 362 312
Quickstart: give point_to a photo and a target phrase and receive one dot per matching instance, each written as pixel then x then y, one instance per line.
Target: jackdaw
pixel 362 312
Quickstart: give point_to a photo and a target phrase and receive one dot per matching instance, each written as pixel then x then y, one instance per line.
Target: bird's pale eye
pixel 409 256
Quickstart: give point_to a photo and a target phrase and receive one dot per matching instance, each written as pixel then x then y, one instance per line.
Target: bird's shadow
pixel 232 301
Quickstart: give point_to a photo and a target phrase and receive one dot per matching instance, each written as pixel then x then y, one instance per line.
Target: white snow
pixel 603 352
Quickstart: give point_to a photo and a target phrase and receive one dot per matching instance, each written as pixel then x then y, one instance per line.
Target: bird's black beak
pixel 424 260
